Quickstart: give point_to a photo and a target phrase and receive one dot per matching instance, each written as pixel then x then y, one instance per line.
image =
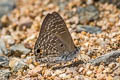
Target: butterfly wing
pixel 63 33
pixel 54 39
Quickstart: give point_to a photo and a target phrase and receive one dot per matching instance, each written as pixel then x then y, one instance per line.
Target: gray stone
pixel 4 61
pixel 4 74
pixel 89 29
pixel 116 78
pixel 6 6
pixel 9 39
pixel 19 49
pixel 62 4
pixel 17 64
pixel 87 14
pixel 3 49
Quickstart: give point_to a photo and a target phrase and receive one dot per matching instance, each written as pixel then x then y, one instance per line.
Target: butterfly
pixel 54 43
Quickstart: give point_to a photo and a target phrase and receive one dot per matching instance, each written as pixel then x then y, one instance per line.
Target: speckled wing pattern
pixel 54 43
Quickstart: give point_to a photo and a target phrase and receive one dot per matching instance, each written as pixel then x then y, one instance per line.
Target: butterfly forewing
pixel 54 39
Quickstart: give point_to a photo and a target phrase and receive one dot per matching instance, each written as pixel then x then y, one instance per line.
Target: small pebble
pixel 89 73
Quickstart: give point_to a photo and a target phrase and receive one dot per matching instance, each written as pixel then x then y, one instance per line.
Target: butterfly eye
pixel 38 50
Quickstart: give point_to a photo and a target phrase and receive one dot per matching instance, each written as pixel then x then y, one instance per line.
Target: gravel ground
pixel 94 26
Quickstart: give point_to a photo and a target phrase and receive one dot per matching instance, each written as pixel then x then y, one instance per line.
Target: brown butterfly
pixel 54 43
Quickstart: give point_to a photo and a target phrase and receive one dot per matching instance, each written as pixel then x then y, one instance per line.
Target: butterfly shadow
pixel 69 65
